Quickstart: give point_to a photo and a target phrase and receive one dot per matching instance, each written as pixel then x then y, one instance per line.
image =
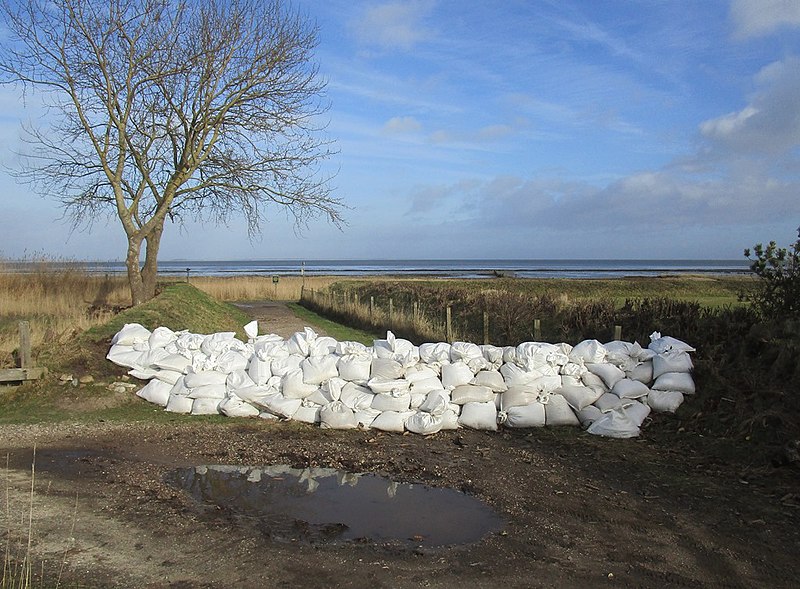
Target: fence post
pixel 371 307
pixel 391 311
pixel 537 329
pixel 24 344
pixel 485 327
pixel 448 330
pixel 618 332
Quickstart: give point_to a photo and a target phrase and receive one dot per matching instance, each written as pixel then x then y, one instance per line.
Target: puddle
pixel 327 505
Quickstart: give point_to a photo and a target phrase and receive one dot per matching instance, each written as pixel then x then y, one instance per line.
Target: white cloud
pixel 394 24
pixel 755 18
pixel 770 123
pixel 401 125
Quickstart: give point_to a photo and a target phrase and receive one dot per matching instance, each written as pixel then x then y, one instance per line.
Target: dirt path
pixel 274 317
pixel 663 510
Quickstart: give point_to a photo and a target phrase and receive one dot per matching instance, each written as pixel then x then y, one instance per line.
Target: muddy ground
pixel 664 510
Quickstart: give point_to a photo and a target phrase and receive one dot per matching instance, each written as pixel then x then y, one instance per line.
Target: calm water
pixel 441 268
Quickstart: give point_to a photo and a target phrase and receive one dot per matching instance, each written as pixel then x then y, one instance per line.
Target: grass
pixel 335 330
pixel 259 288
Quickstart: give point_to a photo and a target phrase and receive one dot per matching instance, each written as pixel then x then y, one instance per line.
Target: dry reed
pixel 259 288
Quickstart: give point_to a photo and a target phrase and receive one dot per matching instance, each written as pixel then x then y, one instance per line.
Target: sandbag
pixel 418 372
pixel 424 423
pixel 436 402
pixel 218 343
pixel 308 412
pixel 642 372
pixel 492 379
pixel 179 404
pixel 386 368
pixel 233 406
pixel 382 385
pixel 294 386
pixel 594 382
pixel 589 351
pixel 558 412
pixel 156 391
pixel 578 397
pixel 607 402
pixel 259 370
pixel 637 411
pixel 299 343
pixel 283 364
pixel 630 389
pixel 456 374
pixel 675 381
pixel 434 354
pixel 482 416
pixel 531 415
pixel 426 385
pixel 515 375
pixel 205 406
pixel 279 405
pixel 354 367
pixel 161 337
pixel 208 391
pixel 131 334
pixel 337 415
pixel 168 376
pixel 664 401
pixel 672 361
pixel 660 344
pixel 470 393
pixel 469 353
pixel 392 401
pixel 206 377
pixel 391 421
pixel 518 396
pixel 588 415
pixel 493 356
pixel 356 397
pixel 318 369
pixel 615 424
pixel 608 372
pixel 125 356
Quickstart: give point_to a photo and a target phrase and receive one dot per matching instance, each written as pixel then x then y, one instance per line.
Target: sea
pixel 438 268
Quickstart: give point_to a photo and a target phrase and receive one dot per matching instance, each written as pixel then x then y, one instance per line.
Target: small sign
pixel 275 279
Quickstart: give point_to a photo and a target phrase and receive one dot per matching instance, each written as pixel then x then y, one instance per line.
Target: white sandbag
pixel 337 415
pixel 546 384
pixel 391 421
pixel 558 412
pixel 607 401
pixel 267 348
pixel 435 402
pixel 179 404
pixel 251 330
pixel 177 362
pixel 209 391
pixel 354 367
pixel 308 412
pixel 279 405
pixel 259 370
pixel 571 381
pixel 469 353
pixel 666 343
pixel 531 415
pixel 518 396
pixel 156 392
pixel 450 420
pixel 365 417
pixel 392 401
pixel 168 376
pixel 482 416
pixel 630 389
pixel 588 415
pixel 664 401
pixel 161 337
pixel 233 406
pixel 424 423
pixel 238 379
pixel 251 393
pixel 578 397
pixel 418 372
pixel 323 345
pixel 493 356
pixel 348 348
pixel 356 397
pixel 417 399
pixel 266 415
pixel 594 382
pixel 589 351
pixel 124 355
pixel 217 343
pixel 608 372
pixel 515 375
pixel 195 379
pixel 280 365
pixel 300 343
pixel 642 372
pixel 675 381
pixel 318 369
pixel 470 393
pixel 575 370
pixel 231 360
pixel 492 379
pixel 386 368
pixel 456 374
pixel 396 348
pixel 328 392
pixel 382 385
pixel 189 342
pixel 205 406
pixel 143 373
pixel 426 385
pixel 131 334
pixel 614 424
pixel 436 354
pixel 637 411
pixel 294 386
pixel 672 361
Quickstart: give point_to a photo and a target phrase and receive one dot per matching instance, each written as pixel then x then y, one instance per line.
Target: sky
pixel 517 129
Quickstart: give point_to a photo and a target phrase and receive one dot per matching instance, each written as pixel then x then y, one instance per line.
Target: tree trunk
pixel 142 278
pixel 150 268
pixel 134 272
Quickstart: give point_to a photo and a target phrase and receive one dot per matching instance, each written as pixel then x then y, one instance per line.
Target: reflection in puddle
pixel 329 505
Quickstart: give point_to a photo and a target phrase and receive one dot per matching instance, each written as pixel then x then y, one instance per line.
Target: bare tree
pixel 162 109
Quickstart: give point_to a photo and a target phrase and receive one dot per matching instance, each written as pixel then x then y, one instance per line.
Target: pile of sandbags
pixel 394 385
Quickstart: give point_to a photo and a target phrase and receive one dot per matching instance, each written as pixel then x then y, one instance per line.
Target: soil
pixel 667 509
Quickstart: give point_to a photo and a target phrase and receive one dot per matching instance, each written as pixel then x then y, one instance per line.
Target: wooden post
pixel 391 311
pixel 618 332
pixel 537 329
pixel 371 307
pixel 448 330
pixel 485 327
pixel 24 344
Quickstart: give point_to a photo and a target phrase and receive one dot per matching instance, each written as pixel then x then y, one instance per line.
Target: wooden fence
pixel 26 369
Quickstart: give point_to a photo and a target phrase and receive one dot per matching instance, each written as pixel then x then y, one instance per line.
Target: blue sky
pixel 519 129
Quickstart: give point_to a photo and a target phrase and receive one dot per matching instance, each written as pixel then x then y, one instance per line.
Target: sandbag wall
pixel 609 389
